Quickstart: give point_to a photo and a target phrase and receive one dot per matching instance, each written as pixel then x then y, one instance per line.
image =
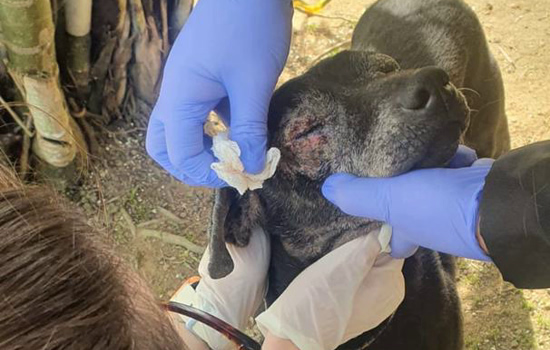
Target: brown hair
pixel 62 288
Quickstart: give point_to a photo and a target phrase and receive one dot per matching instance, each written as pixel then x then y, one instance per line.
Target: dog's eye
pixel 303 127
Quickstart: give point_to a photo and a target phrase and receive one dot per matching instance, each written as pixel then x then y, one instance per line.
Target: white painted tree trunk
pixel 78 17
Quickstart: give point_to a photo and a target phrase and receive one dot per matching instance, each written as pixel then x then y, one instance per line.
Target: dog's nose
pixel 423 89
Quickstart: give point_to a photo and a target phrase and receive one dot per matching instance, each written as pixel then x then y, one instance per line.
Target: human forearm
pixel 192 341
pixel 433 208
pixel 227 58
pixel 273 342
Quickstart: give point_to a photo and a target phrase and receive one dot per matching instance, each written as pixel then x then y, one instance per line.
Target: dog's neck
pixel 308 225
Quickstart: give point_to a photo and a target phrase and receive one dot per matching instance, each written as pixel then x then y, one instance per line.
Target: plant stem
pixel 78 19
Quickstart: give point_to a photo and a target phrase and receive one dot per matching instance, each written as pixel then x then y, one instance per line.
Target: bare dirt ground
pixel 126 193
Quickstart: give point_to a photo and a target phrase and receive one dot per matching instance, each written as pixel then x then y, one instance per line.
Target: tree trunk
pixel 111 56
pixel 78 22
pixel 28 32
pixel 148 55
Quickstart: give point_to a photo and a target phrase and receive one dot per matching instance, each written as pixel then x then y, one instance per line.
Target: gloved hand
pixel 228 57
pixel 433 208
pixel 234 298
pixel 345 293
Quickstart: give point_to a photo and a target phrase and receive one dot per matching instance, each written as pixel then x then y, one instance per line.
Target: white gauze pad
pixel 231 170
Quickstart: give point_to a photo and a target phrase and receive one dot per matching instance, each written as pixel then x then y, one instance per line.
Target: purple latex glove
pixel 227 58
pixel 433 208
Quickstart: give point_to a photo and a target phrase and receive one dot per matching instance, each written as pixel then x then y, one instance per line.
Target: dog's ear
pixel 233 218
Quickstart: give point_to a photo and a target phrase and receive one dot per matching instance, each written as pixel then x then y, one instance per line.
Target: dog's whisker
pixel 470 90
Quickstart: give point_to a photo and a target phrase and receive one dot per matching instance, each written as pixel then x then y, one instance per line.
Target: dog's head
pixel 357 113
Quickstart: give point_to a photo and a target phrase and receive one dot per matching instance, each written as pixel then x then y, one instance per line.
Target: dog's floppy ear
pixel 233 218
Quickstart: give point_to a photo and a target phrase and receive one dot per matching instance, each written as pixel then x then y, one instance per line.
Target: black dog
pixel 380 109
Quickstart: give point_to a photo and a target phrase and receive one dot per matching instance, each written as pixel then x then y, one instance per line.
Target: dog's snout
pixel 423 89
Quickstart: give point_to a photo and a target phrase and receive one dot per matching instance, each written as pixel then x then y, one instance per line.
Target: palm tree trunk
pixel 28 31
pixel 147 53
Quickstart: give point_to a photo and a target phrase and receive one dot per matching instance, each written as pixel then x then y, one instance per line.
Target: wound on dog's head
pixel 306 138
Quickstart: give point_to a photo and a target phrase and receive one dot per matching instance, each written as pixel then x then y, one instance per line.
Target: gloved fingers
pixel 187 97
pixel 236 297
pixel 486 162
pixel 314 311
pixel 343 268
pixel 400 248
pixel 249 105
pixel 203 264
pixel 185 145
pixel 378 296
pixel 223 109
pixel 155 143
pixel 463 157
pixel 364 197
pixel 251 262
pixel 207 142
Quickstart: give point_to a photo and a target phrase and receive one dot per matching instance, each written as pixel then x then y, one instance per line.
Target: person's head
pixel 62 288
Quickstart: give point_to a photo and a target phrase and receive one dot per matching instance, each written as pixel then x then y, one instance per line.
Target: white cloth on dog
pixel 231 170
pixel 347 292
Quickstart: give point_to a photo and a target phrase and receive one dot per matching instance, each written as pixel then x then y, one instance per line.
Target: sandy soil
pixel 126 189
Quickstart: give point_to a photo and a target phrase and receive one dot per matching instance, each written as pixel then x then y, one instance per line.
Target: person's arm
pixel 433 208
pixel 515 215
pixel 331 294
pixel 189 339
pixel 488 211
pixel 234 298
pixel 273 342
pixel 227 58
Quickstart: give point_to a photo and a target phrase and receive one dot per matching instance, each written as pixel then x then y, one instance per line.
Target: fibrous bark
pixel 147 53
pixel 178 17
